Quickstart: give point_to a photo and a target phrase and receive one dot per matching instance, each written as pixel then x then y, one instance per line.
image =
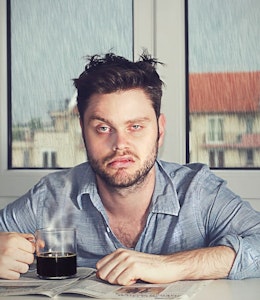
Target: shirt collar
pixel 87 187
pixel 164 199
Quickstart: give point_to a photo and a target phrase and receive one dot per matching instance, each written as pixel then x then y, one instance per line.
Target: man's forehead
pixel 121 99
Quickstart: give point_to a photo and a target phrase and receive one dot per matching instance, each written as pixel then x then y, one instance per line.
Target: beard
pixel 122 179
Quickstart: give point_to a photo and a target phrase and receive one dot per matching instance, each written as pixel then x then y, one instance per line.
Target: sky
pixel 224 35
pixel 51 37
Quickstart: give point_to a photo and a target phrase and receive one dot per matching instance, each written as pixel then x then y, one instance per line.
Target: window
pixel 158 26
pixel 48 40
pixel 250 157
pixel 249 124
pixel 215 133
pixel 224 79
pixel 26 158
pixel 15 181
pixel 49 159
pixel 216 158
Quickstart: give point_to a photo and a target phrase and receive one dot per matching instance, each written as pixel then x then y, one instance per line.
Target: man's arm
pixel 125 267
pixel 16 253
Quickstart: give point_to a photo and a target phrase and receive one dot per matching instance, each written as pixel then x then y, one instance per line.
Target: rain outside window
pixel 47 43
pixel 224 83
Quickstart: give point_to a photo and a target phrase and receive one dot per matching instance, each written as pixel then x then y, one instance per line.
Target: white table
pixel 248 289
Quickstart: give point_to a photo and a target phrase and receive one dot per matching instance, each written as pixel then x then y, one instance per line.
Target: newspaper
pixel 85 283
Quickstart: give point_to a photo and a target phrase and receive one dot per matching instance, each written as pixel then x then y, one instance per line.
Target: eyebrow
pixel 96 117
pixel 136 120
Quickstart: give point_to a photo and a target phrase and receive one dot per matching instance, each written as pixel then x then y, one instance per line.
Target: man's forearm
pixel 125 266
pixel 205 263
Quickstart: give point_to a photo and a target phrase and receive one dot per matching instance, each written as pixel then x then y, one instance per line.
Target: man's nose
pixel 120 141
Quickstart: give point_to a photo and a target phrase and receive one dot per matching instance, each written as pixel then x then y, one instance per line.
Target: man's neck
pixel 129 201
pixel 128 208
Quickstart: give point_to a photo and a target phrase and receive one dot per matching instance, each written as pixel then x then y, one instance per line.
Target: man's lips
pixel 121 162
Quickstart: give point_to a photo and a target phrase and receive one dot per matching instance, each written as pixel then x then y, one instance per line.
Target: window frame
pixel 163 19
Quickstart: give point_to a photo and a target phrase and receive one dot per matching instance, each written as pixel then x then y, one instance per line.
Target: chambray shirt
pixel 190 208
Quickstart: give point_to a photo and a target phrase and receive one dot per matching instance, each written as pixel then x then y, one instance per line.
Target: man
pixel 136 217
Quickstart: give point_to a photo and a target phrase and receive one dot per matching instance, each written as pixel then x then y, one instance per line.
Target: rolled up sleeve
pixel 247 261
pixel 234 223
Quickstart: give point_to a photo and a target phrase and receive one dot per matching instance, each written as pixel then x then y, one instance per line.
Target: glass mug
pixel 56 253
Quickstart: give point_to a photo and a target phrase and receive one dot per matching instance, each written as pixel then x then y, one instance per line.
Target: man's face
pixel 122 136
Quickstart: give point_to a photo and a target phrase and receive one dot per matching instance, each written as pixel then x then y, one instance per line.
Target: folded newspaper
pixel 85 283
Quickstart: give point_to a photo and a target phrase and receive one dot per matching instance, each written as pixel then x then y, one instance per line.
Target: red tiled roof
pixel 224 92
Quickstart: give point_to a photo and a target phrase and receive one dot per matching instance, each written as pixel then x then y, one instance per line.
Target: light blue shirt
pixel 190 208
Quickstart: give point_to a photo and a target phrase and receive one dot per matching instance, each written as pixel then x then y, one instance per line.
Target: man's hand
pixel 125 267
pixel 16 253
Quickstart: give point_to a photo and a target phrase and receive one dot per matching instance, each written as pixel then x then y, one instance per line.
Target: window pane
pixel 224 82
pixel 49 40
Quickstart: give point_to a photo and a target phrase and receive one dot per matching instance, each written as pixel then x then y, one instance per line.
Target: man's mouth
pixel 121 162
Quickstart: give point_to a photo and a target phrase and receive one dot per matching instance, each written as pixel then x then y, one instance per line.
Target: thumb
pixel 28 236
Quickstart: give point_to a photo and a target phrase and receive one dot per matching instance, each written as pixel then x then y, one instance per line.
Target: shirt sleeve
pixel 22 214
pixel 232 222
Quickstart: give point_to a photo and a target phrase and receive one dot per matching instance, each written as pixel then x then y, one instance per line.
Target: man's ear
pixel 161 127
pixel 81 123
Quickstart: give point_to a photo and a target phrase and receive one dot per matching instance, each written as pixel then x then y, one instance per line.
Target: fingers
pixel 11 269
pixel 125 267
pixel 120 267
pixel 16 253
pixel 27 242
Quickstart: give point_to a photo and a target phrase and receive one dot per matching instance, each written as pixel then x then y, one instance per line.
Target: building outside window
pixel 224 83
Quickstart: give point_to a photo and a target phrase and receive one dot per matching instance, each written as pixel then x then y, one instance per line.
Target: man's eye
pixel 136 127
pixel 103 129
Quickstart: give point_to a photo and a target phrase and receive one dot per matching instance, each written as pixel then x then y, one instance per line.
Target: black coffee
pixel 56 265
